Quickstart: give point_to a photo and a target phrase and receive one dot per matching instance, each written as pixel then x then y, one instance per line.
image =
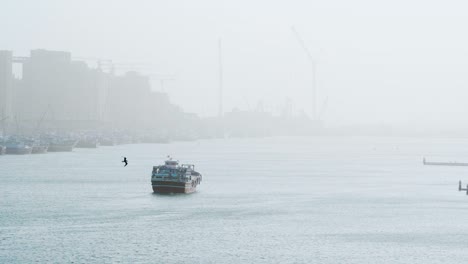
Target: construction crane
pixel 112 67
pixel 20 59
pixel 220 78
pixel 162 78
pixel 314 69
pixel 100 63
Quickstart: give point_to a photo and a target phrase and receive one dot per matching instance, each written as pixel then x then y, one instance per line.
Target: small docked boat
pixel 107 141
pixel 88 143
pixel 38 147
pixel 174 178
pixel 17 147
pixel 62 145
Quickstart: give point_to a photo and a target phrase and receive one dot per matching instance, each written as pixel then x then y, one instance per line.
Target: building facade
pixel 6 86
pixel 60 91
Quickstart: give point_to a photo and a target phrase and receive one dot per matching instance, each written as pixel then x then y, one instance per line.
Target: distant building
pixel 56 92
pixel 90 89
pixel 133 105
pixel 65 92
pixel 6 84
pixel 45 86
pixel 129 100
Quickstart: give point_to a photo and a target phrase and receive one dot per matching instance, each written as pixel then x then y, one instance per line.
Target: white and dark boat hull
pixel 18 151
pixel 61 148
pixel 87 144
pixel 39 149
pixel 173 187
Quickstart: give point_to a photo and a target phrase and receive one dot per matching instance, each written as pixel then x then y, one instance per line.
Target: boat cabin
pixel 171 164
pixel 189 167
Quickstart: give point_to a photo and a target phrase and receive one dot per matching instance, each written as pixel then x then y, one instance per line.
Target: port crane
pixel 162 78
pixel 316 112
pixel 314 71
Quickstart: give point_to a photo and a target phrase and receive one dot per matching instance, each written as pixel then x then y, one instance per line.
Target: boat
pixel 174 178
pixel 38 147
pixel 17 147
pixel 88 143
pixel 151 139
pixel 106 141
pixel 62 145
pixel 444 163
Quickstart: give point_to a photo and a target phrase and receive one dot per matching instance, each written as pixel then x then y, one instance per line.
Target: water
pixel 275 200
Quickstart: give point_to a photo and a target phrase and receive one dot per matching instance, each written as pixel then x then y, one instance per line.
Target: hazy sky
pixel 390 62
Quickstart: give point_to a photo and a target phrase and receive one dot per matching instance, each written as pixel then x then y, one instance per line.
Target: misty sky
pixel 383 62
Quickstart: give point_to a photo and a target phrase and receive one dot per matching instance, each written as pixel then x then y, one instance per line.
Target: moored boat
pixel 88 143
pixel 37 146
pixel 17 147
pixel 63 145
pixel 39 149
pixel 174 178
pixel 106 141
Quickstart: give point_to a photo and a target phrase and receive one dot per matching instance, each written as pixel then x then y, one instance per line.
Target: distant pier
pixel 444 163
pixel 462 189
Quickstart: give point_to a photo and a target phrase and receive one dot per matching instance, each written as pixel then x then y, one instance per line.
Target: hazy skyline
pixel 400 63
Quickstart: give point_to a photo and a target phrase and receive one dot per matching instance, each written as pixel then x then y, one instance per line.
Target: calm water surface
pixel 275 200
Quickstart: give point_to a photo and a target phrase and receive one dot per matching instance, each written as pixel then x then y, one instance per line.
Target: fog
pixel 242 131
pixel 401 64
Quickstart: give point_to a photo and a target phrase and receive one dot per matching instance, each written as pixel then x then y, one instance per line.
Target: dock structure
pixel 444 163
pixel 462 189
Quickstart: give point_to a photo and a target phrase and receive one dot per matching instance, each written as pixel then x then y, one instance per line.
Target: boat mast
pixel 41 120
pixel 3 122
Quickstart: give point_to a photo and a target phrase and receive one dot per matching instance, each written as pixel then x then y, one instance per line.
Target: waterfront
pixel 272 200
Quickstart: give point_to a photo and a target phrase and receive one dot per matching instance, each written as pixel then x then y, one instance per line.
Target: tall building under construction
pixel 59 89
pixel 57 92
pixel 6 85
